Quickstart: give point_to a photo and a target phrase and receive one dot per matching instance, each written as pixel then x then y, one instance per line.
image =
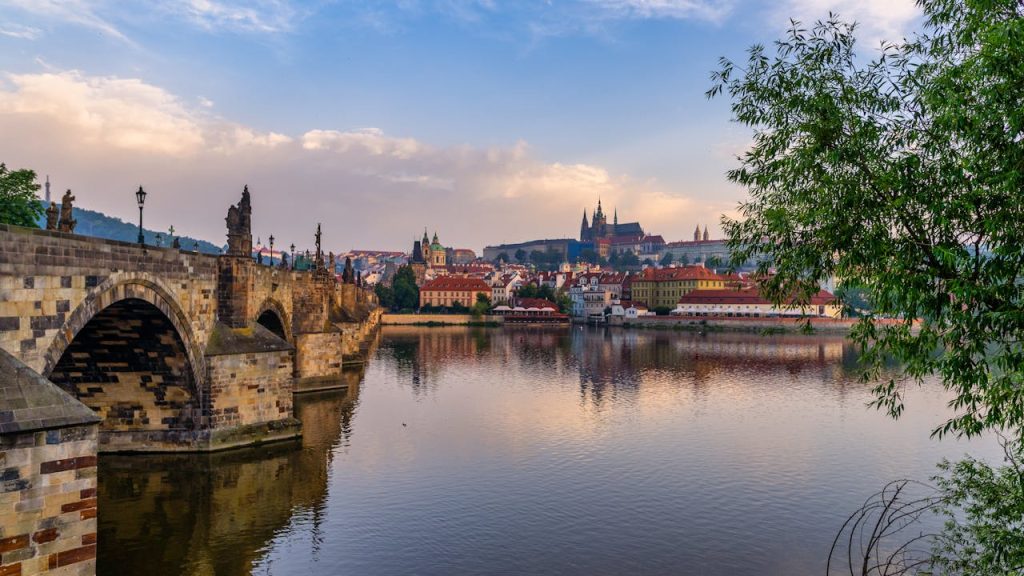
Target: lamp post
pixel 140 197
pixel 293 256
pixel 271 250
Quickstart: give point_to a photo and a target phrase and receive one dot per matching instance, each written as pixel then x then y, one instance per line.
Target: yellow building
pixel 662 287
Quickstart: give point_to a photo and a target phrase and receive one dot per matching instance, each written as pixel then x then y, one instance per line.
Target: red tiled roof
pixel 454 283
pixel 746 296
pixel 653 239
pixel 540 303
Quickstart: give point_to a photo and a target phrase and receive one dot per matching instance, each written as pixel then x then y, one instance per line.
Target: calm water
pixel 488 451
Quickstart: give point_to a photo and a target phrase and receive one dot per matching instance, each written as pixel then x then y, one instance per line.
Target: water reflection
pixel 527 450
pixel 201 514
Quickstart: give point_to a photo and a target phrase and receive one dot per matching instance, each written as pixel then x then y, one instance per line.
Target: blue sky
pixel 485 120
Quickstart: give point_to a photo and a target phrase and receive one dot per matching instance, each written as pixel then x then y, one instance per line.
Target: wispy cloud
pixel 78 12
pixel 878 20
pixel 103 135
pixel 710 10
pixel 266 16
pixel 19 31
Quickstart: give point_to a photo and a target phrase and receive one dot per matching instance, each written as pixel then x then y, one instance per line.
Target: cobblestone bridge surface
pixel 110 346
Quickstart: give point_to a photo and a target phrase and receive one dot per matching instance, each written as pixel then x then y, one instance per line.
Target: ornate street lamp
pixel 271 250
pixel 140 197
pixel 293 256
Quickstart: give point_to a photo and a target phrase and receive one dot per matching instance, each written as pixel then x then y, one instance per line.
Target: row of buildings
pixel 593 294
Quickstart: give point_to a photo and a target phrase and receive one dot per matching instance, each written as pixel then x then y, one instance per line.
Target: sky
pixel 485 121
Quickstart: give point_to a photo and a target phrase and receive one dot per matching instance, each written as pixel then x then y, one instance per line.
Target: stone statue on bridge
pixel 348 275
pixel 239 221
pixel 67 223
pixel 52 213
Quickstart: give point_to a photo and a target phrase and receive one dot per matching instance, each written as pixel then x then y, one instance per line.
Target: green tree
pixel 18 202
pixel 502 257
pixel 629 259
pixel 588 255
pixel 482 305
pixel 406 293
pixel 385 295
pixel 666 259
pixel 684 259
pixel 521 255
pixel 901 175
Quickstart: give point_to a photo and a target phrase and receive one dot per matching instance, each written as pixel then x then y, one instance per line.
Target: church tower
pixel 584 228
pixel 706 237
pixel 696 234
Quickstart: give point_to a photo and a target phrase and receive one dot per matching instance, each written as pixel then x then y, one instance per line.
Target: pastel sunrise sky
pixel 484 120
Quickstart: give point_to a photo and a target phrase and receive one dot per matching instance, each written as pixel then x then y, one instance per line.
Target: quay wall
pixel 446 319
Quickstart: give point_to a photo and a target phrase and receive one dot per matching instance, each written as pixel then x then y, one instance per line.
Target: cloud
pixel 103 136
pixel 19 31
pixel 878 20
pixel 713 11
pixel 270 16
pixel 78 12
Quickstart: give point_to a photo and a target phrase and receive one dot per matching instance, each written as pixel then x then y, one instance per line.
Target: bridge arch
pixel 128 351
pixel 272 316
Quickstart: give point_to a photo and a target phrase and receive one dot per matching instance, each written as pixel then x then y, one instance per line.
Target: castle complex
pixel 599 229
pixel 604 239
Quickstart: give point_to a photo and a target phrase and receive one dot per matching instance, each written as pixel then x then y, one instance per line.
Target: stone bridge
pixel 174 350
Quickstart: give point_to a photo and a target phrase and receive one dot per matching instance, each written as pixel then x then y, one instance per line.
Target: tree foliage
pixel 903 175
pixel 18 202
pixel 406 293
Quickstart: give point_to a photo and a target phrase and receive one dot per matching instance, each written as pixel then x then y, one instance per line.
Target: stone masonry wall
pixel 129 366
pixel 48 502
pixel 318 355
pixel 273 287
pixel 46 276
pixel 250 388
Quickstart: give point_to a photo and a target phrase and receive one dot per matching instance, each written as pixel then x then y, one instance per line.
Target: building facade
pixel 662 287
pixel 448 291
pixel 748 303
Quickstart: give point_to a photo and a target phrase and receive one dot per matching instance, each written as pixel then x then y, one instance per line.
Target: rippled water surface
pixel 518 451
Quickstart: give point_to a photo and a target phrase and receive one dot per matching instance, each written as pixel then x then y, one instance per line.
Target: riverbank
pixel 440 320
pixel 732 324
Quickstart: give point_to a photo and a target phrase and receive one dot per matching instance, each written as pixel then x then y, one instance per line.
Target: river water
pixel 526 451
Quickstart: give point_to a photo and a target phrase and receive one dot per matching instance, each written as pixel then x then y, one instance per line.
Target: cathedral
pixel 599 229
pixel 431 254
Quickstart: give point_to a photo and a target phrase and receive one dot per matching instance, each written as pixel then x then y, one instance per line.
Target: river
pixel 540 451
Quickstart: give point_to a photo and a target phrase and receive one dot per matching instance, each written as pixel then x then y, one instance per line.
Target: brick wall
pixel 48 501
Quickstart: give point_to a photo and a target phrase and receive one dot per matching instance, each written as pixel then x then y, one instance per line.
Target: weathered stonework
pixel 48 444
pixel 139 335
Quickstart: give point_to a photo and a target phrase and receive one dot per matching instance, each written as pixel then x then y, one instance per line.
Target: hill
pixel 98 224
